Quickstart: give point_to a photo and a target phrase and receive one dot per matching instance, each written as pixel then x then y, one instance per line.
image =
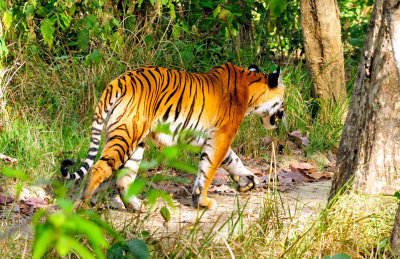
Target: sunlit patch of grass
pixel 357 225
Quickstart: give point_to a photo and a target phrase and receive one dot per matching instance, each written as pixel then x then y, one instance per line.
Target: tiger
pixel 213 103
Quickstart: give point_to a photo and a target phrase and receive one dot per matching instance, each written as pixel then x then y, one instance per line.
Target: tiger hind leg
pixel 111 159
pixel 238 172
pixel 128 176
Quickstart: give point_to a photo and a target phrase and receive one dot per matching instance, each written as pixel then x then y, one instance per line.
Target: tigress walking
pixel 214 103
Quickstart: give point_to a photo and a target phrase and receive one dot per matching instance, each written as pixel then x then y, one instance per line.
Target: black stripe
pixel 86 166
pixel 166 114
pixel 80 173
pixel 179 106
pixel 205 155
pixel 227 160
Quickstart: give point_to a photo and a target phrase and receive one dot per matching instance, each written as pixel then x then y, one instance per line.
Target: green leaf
pixel 15 173
pixel 42 11
pixel 171 152
pixel 3 5
pixel 130 22
pixel 65 205
pixel 148 39
pixel 95 56
pixel 47 29
pixel 277 7
pixel 116 41
pixel 135 188
pixel 217 11
pixel 116 251
pixel 397 195
pixel 138 249
pixel 146 165
pixel 7 19
pixel 58 219
pixel 90 230
pixel 79 248
pixel 90 21
pixel 153 195
pixel 83 39
pixel 356 42
pixel 163 128
pixel 183 167
pixel 43 238
pixel 176 31
pixel 65 21
pixel 165 214
pixel 63 245
pixel 30 10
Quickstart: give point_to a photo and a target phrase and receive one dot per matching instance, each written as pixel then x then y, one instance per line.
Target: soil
pixel 300 195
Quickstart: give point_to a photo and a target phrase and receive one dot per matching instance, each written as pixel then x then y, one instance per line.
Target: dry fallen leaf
pixel 35 203
pixel 4 200
pixel 256 171
pixel 297 135
pixel 266 141
pixel 297 177
pixel 309 170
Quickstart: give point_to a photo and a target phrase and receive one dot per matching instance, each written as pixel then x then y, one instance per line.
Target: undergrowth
pixel 49 110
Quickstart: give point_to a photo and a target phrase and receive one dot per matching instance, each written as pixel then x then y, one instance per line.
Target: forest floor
pixel 302 186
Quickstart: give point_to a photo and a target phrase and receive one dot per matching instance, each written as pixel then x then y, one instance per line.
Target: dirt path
pixel 300 197
pixel 302 200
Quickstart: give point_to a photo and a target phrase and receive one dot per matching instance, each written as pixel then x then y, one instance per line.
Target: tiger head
pixel 267 95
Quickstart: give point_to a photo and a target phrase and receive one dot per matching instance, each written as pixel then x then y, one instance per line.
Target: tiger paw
pixel 245 182
pixel 134 204
pixel 200 201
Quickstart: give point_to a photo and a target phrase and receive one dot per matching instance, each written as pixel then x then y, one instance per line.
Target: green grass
pixel 50 106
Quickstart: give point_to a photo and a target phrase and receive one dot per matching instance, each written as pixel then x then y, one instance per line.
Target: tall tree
pixel 323 48
pixel 392 11
pixel 369 150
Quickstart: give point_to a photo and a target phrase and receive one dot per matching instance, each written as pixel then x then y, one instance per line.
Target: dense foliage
pixel 57 56
pixel 247 30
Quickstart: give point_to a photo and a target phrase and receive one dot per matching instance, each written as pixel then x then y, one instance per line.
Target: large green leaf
pixel 277 7
pixel 83 39
pixel 165 213
pixel 138 249
pixel 90 21
pixel 47 29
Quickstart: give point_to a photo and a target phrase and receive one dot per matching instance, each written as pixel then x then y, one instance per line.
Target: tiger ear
pixel 254 68
pixel 273 78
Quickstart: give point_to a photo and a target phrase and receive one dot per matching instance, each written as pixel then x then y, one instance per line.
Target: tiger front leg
pixel 211 157
pixel 238 172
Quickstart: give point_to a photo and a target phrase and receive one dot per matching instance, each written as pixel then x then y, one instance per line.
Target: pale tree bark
pixel 369 150
pixel 323 48
pixel 392 11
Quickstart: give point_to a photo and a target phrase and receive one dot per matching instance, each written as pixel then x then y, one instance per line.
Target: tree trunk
pixel 369 150
pixel 323 48
pixel 392 10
